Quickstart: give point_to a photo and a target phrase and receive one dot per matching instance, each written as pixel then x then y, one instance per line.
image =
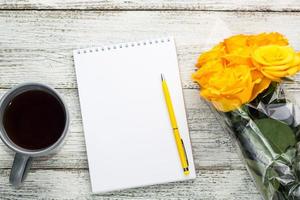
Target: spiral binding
pixel 123 45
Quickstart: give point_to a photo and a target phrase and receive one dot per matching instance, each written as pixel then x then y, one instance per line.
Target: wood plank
pixel 74 184
pixel 37 45
pixel 253 5
pixel 212 147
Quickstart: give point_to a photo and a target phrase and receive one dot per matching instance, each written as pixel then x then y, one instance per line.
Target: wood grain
pixel 74 184
pixel 37 45
pixel 216 5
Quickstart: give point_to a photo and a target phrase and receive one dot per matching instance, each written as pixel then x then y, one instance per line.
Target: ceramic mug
pixel 23 157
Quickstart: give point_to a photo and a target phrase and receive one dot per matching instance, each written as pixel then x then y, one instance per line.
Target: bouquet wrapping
pixel 243 79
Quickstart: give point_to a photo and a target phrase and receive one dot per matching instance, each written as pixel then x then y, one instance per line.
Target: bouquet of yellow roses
pixel 242 78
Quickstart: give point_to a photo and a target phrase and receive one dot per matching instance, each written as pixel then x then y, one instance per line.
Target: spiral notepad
pixel 128 135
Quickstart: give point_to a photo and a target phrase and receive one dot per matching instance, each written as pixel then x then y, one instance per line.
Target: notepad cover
pixel 128 135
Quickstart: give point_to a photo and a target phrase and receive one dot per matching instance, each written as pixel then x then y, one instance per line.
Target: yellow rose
pixel 261 83
pixel 214 54
pixel 240 47
pixel 235 42
pixel 226 88
pixel 267 39
pixel 240 56
pixel 241 67
pixel 203 74
pixel 275 61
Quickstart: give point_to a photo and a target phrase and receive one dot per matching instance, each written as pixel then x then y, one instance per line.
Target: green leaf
pixel 279 134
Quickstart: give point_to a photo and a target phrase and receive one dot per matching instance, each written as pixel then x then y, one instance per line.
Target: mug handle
pixel 21 165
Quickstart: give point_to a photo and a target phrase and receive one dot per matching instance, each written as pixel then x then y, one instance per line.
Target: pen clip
pixel 187 161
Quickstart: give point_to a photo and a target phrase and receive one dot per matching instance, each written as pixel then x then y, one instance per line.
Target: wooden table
pixel 36 43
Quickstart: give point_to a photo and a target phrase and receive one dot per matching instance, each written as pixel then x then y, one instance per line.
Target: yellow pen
pixel 178 140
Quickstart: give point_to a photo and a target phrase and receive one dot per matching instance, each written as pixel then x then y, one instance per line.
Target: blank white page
pixel 129 138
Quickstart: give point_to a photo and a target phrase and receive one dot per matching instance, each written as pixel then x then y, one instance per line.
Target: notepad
pixel 128 135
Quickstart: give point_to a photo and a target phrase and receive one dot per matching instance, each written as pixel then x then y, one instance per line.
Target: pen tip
pixel 186 173
pixel 162 77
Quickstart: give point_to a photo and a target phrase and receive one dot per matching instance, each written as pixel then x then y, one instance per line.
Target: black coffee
pixel 34 120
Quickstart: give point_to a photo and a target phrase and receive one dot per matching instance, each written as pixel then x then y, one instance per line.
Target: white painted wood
pixel 254 5
pixel 74 184
pixel 37 45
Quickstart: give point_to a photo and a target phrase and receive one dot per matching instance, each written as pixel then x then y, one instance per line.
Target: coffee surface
pixel 34 120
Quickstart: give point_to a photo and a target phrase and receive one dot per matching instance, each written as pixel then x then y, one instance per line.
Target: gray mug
pixel 23 157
